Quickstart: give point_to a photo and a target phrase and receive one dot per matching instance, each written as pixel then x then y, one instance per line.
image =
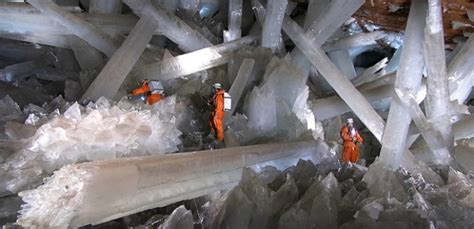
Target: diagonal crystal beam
pixel 331 19
pixel 116 70
pixel 344 88
pixel 240 82
pixel 170 25
pixel 194 61
pixel 80 27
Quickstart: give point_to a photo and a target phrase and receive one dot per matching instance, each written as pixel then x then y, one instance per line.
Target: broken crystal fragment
pixel 179 218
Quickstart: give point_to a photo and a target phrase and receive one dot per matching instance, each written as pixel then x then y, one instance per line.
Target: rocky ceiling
pixel 392 15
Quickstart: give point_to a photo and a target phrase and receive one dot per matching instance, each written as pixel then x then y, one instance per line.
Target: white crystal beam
pixel 409 76
pixel 96 192
pixel 437 104
pixel 240 82
pixel 194 61
pixel 271 30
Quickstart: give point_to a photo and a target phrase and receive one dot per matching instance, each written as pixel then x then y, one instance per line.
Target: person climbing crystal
pixel 216 118
pixel 149 92
pixel 351 140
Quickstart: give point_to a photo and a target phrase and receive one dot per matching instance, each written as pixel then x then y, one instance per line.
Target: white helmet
pixel 217 86
pixel 350 121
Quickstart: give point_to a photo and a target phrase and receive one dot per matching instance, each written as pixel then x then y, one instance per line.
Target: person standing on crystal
pixel 217 111
pixel 351 138
pixel 150 92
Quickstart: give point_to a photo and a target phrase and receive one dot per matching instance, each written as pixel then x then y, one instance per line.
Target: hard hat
pixel 350 120
pixel 217 86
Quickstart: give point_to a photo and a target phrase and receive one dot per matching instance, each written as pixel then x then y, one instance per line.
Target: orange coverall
pixel 150 98
pixel 217 115
pixel 351 149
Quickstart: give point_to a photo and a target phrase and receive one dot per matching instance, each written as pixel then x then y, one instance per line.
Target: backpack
pixel 227 102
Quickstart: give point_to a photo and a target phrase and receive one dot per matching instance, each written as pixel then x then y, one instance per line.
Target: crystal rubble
pixel 335 78
pixel 408 77
pixel 193 62
pixel 81 28
pixel 320 201
pixel 109 80
pixel 96 132
pixel 171 26
pixel 201 173
pixel 437 103
pixel 22 95
pixel 461 73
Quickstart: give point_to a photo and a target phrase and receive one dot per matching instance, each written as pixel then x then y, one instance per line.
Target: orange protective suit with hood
pixel 150 98
pixel 216 120
pixel 351 149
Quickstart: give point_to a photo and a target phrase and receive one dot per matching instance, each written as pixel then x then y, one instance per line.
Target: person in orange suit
pixel 152 91
pixel 217 113
pixel 351 138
